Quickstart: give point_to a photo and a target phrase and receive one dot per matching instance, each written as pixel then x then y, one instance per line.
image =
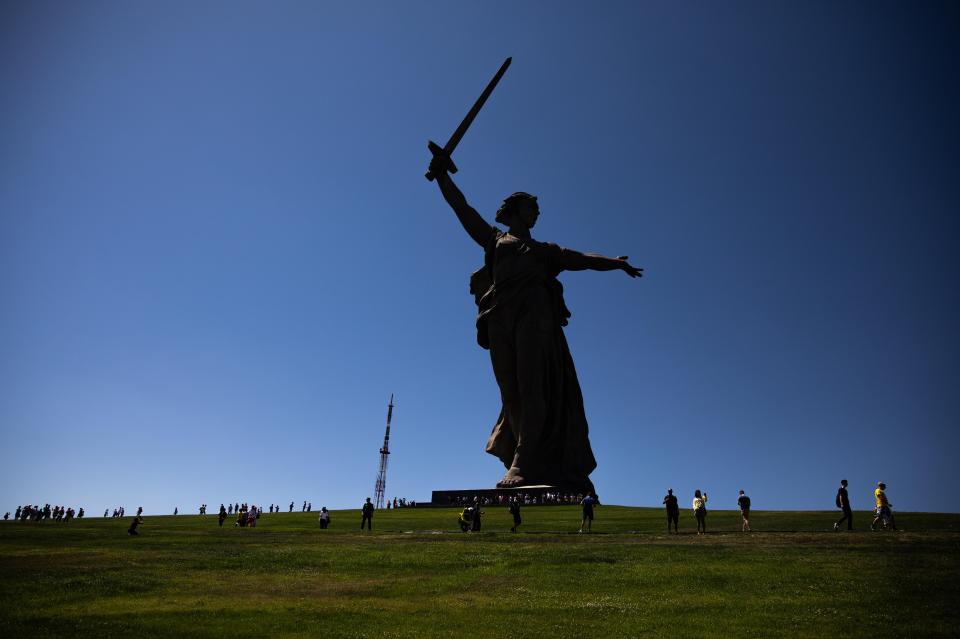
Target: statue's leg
pixel 534 360
pixel 503 358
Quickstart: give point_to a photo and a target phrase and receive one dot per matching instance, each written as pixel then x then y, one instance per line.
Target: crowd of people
pixel 31 512
pixel 506 498
pixel 471 516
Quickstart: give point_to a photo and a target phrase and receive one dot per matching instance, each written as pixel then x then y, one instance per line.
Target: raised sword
pixel 454 140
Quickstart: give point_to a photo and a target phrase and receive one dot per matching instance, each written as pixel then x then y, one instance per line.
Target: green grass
pixel 416 576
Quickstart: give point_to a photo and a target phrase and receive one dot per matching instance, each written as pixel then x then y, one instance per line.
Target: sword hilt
pixel 438 152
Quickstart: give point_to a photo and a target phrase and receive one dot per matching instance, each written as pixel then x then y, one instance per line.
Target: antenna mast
pixel 381 484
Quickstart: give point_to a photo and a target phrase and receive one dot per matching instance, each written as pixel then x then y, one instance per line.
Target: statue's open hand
pixel 632 271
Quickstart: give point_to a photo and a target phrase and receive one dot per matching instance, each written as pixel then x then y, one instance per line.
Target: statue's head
pixel 519 208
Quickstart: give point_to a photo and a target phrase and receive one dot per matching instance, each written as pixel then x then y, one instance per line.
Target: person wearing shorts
pixel 587 520
pixel 700 511
pixel 884 514
pixel 744 503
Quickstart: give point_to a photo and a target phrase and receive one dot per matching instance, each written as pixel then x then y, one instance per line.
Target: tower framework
pixel 380 486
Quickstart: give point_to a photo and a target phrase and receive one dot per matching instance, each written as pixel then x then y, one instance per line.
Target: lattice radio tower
pixel 381 484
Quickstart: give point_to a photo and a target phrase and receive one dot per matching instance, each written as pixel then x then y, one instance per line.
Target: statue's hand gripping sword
pixel 467 121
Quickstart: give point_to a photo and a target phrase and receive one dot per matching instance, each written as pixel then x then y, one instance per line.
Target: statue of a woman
pixel 541 435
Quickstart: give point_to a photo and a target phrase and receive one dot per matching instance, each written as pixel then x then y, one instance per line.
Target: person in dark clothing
pixel 367 512
pixel 515 511
pixel 222 516
pixel 744 503
pixel 476 519
pixel 673 510
pixel 587 506
pixel 132 530
pixel 843 503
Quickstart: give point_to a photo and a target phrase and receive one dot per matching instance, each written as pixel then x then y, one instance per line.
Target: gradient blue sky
pixel 219 257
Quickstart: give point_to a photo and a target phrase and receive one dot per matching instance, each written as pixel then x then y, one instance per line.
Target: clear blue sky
pixel 219 257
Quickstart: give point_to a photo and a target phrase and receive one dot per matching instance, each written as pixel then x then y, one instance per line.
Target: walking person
pixel 744 503
pixel 221 517
pixel 700 511
pixel 843 503
pixel 515 511
pixel 367 512
pixel 325 518
pixel 673 510
pixel 884 513
pixel 587 519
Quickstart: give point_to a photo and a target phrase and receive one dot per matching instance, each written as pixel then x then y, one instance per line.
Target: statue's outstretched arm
pixel 475 226
pixel 576 261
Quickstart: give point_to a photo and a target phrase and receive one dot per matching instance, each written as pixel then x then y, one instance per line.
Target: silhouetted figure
pixel 744 503
pixel 586 521
pixel 367 512
pixel 291 506
pixel 673 510
pixel 175 511
pixel 700 511
pixel 515 511
pixel 132 530
pixel 541 435
pixel 222 516
pixel 477 513
pixel 843 503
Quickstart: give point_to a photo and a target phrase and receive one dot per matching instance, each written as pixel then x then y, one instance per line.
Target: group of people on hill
pixel 882 514
pixel 32 512
pixel 528 499
pixel 699 505
pixel 402 503
pixel 470 518
pixel 247 516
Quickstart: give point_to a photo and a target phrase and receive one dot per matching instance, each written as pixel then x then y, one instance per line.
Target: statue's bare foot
pixel 512 479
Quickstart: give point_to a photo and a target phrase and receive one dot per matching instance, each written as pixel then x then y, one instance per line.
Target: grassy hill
pixel 416 575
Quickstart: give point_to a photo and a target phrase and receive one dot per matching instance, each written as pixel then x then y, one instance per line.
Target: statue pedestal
pixel 529 495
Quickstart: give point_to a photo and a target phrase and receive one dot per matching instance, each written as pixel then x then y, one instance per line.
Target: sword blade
pixel 475 109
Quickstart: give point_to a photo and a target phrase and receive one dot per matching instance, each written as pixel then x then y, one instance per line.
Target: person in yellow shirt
pixel 884 514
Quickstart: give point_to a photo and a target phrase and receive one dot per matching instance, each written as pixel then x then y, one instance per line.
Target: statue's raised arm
pixel 475 226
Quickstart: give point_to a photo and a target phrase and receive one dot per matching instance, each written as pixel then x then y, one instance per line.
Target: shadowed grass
pixel 414 576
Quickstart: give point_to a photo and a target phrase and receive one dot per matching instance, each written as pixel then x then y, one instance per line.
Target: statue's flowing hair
pixel 511 203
